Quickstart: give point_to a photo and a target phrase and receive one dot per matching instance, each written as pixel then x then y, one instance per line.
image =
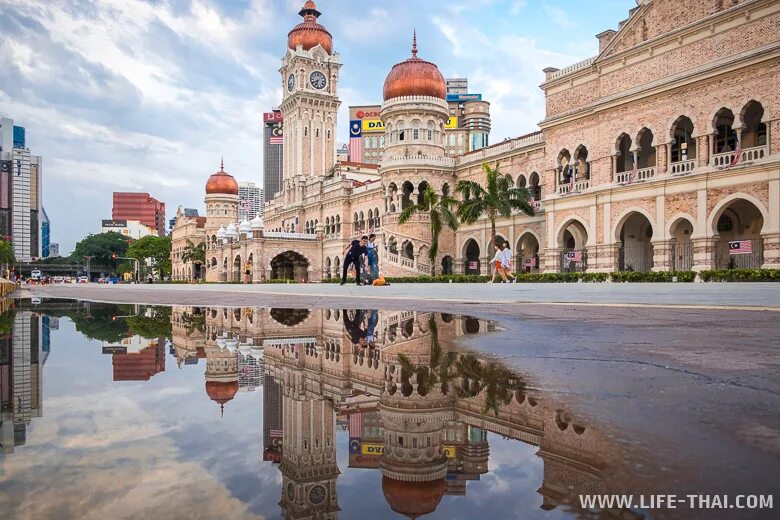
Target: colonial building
pixel 660 153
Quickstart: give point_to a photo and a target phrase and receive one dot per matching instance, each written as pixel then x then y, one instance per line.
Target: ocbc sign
pixel 360 114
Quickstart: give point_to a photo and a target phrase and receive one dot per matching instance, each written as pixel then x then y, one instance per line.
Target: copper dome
pixel 220 391
pixel 413 499
pixel 309 33
pixel 222 183
pixel 415 77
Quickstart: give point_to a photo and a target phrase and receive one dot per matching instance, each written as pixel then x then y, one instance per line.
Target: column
pixel 662 158
pixel 703 150
pixel 771 230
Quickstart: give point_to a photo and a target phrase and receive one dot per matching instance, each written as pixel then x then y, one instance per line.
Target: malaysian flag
pixel 277 135
pixel 574 256
pixel 737 154
pixel 356 425
pixel 571 179
pixel 355 141
pixel 632 176
pixel 740 247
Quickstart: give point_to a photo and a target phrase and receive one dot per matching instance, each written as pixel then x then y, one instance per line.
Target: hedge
pixel 652 276
pixel 741 275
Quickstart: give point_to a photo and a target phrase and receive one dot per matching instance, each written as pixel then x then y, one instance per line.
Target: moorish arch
pixel 290 265
pixel 634 232
pixel 471 256
pixel 573 233
pixel 680 233
pixel 527 251
pixel 729 200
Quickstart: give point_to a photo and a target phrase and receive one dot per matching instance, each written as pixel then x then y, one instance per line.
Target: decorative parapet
pixel 491 152
pixel 417 160
pixel 291 236
pixel 571 68
pixel 415 100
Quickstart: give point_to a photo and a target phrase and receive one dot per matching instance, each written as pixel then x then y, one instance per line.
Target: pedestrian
pixel 354 328
pixel 355 251
pixel 497 261
pixel 373 258
pixel 506 263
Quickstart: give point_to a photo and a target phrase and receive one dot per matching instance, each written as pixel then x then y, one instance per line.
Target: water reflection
pixel 416 409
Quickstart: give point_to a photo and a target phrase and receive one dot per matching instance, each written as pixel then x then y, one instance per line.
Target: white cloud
pixel 558 16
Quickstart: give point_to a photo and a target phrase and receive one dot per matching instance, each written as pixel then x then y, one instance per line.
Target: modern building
pixel 136 358
pixel 54 249
pixel 273 153
pixel 621 176
pixel 250 201
pixel 129 228
pixel 21 176
pixel 457 85
pixel 141 207
pixel 45 234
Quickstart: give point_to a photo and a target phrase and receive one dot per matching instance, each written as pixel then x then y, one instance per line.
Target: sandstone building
pixel 660 153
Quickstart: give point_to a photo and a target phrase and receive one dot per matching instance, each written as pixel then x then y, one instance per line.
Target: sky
pixel 148 95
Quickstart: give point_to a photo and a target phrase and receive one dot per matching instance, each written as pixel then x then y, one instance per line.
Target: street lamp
pixel 137 264
pixel 89 271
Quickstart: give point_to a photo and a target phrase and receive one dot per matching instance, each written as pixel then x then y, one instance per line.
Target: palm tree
pixel 194 253
pixel 439 369
pixel 497 199
pixel 439 207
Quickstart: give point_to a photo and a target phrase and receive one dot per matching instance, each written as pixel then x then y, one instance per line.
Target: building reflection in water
pixel 417 409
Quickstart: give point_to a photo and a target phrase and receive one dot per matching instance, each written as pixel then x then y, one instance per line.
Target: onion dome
pixel 221 391
pixel 221 183
pixel 221 233
pixel 231 231
pixel 257 222
pixel 309 33
pixel 415 77
pixel 221 342
pixel 413 499
pixel 245 349
pixel 231 345
pixel 257 352
pixel 245 227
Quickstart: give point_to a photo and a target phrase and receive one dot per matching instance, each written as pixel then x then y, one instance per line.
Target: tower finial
pixel 222 164
pixel 222 410
pixel 414 44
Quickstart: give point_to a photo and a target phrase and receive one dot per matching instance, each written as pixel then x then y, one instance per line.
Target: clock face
pixel 290 82
pixel 290 492
pixel 317 80
pixel 317 494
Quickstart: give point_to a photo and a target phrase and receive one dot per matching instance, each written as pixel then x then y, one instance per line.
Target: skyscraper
pixel 273 143
pixel 141 207
pixel 250 201
pixel 21 176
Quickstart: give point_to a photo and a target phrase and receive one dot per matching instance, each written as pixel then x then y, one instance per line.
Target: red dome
pixel 413 499
pixel 309 33
pixel 221 183
pixel 220 391
pixel 415 77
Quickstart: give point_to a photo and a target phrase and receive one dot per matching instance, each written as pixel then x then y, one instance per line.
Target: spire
pixel 222 164
pixel 221 410
pixel 414 44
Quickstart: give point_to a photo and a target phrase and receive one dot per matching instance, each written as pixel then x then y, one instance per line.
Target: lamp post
pixel 88 258
pixel 137 264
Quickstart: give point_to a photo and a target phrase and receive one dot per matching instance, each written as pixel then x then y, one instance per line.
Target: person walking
pixel 373 258
pixel 496 263
pixel 354 251
pixel 506 263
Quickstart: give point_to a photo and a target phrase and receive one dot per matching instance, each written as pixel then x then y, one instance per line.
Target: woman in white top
pixel 497 263
pixel 506 264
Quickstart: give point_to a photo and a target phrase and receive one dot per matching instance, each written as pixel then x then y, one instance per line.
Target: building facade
pixel 141 207
pixel 21 191
pixel 250 201
pixel 660 153
pixel 273 153
pixel 130 228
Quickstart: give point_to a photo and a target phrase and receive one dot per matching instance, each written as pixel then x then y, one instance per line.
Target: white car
pixel 83 279
pixel 35 274
pixel 58 279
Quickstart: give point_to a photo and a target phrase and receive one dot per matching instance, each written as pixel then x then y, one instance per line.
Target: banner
pixel 449 451
pixel 355 128
pixel 272 117
pixel 452 122
pixel 372 125
pixel 460 98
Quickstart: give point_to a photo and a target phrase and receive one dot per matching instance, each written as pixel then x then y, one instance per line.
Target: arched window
pixel 683 144
pixel 565 170
pixel 646 155
pixel 726 137
pixel 624 159
pixel 753 129
pixel 581 164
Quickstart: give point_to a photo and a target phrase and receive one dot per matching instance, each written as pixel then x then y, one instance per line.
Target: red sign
pixel 360 114
pixel 270 117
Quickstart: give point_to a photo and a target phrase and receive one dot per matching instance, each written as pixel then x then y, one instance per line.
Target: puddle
pixel 128 411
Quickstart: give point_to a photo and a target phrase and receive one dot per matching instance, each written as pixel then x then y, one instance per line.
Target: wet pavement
pixel 298 412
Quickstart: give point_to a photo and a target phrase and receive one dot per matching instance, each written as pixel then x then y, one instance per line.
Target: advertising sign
pixel 449 451
pixel 355 128
pixel 114 223
pixel 367 113
pixel 462 98
pixel 272 117
pixel 277 134
pixel 372 125
pixel 452 122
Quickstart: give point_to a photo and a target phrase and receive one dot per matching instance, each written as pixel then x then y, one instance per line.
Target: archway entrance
pixel 471 257
pixel 290 266
pixel 636 250
pixel 236 269
pixel 447 265
pixel 682 246
pixel 527 251
pixel 572 239
pixel 738 226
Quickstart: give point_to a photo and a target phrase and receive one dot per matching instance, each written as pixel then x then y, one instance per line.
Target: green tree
pixel 496 199
pixel 151 322
pixel 439 370
pixel 154 250
pixel 195 253
pixel 101 247
pixel 7 256
pixel 440 210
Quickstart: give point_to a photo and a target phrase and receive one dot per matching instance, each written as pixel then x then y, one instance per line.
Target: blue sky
pixel 135 95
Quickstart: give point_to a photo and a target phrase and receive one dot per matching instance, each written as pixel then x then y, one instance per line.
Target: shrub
pixel 651 276
pixel 741 275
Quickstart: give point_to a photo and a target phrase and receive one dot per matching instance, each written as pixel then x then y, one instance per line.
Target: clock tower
pixel 309 72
